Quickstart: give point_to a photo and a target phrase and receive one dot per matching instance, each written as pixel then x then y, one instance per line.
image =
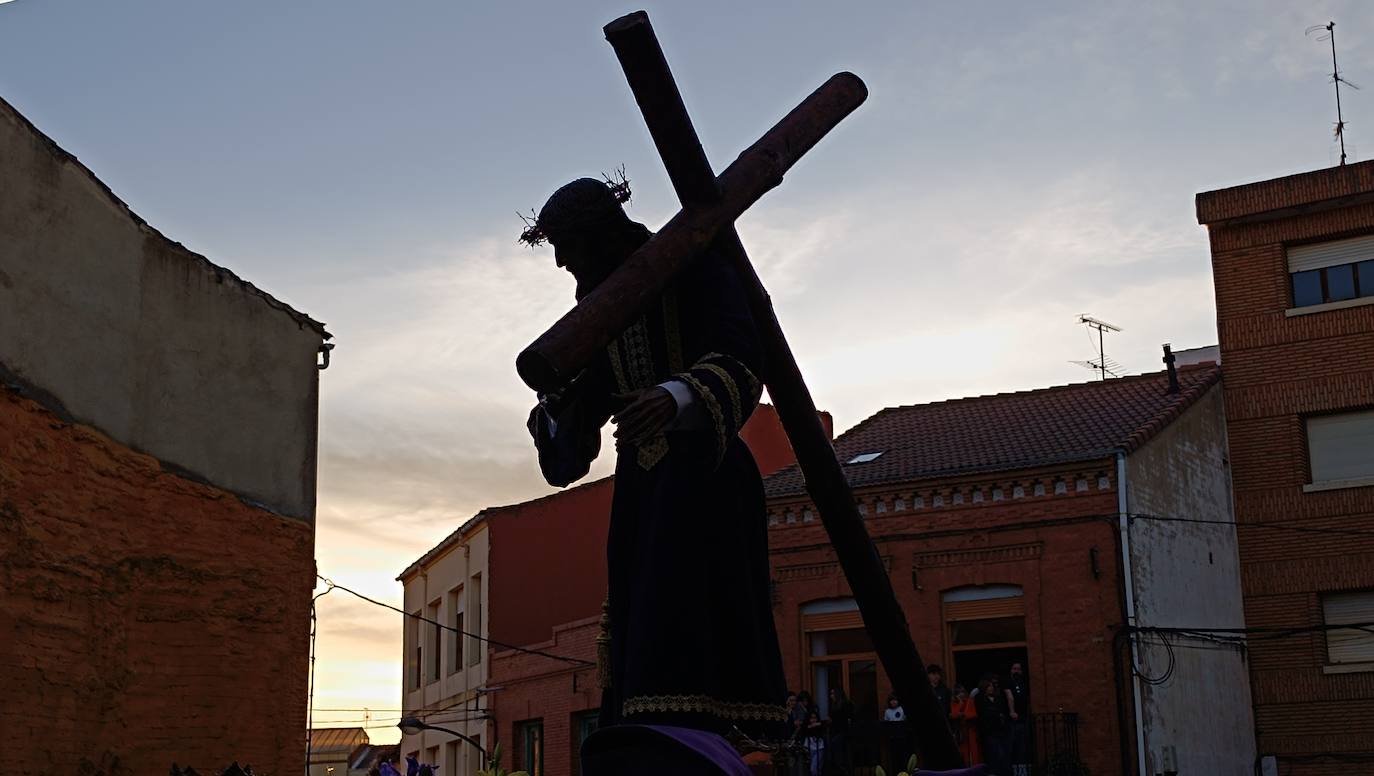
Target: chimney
pixel 1173 373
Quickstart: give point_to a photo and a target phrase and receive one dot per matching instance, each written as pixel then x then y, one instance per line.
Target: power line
pixel 564 658
pixel 1275 525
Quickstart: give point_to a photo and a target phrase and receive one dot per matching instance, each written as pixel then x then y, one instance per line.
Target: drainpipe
pixel 1124 527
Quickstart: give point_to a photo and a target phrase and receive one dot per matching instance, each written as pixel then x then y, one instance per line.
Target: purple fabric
pixel 709 745
pixel 976 770
pixel 711 748
pixel 386 769
pixel 412 765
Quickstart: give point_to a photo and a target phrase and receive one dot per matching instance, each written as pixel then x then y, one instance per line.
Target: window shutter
pixel 832 621
pixel 1349 645
pixel 986 609
pixel 1341 447
pixel 1329 254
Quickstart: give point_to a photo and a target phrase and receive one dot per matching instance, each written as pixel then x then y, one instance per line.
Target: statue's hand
pixel 644 416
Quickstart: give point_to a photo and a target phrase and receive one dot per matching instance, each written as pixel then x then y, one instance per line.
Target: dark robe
pixel 691 635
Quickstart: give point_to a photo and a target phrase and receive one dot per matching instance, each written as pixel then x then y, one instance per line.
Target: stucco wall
pixel 1187 575
pixel 441 701
pixel 145 340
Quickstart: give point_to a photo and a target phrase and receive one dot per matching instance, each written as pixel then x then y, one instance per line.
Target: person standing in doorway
pixel 1017 694
pixel 936 675
pixel 841 720
pixel 963 717
pixel 992 727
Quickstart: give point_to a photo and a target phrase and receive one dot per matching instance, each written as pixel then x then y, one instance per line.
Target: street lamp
pixel 414 726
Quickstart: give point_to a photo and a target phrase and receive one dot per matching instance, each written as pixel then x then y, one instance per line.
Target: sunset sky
pixel 1016 164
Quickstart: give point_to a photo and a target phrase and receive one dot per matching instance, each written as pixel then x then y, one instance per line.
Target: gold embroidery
pixel 603 646
pixel 703 704
pixel 714 406
pixel 671 332
pixel 730 388
pixel 613 350
pixel 755 390
pixel 651 452
pixel 639 355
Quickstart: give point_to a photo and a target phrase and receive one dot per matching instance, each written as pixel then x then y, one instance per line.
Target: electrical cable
pixel 1276 525
pixel 310 700
pixel 552 656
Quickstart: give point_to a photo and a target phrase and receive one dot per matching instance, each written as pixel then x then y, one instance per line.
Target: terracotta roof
pixel 1080 422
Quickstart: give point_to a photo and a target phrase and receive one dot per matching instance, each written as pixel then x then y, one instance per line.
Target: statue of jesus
pixel 690 623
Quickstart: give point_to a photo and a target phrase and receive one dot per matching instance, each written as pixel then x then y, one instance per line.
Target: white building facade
pixel 445 672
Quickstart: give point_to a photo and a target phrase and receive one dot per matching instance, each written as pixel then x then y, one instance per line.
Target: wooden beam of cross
pixel 710 206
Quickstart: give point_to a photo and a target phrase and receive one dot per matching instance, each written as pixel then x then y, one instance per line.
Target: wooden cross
pixel 710 205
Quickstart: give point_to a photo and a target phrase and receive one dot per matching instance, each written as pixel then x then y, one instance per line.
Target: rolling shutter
pixel 1341 447
pixel 832 621
pixel 986 609
pixel 1349 645
pixel 1329 254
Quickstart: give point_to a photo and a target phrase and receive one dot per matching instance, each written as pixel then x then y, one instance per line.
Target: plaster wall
pixel 448 581
pixel 1187 575
pixel 122 329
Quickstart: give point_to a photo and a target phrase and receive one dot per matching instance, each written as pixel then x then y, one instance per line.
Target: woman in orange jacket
pixel 963 716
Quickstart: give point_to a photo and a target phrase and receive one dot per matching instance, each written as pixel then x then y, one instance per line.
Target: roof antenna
pixel 1103 364
pixel 1336 78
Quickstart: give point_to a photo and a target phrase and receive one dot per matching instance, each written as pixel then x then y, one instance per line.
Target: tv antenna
pixel 1336 78
pixel 1104 364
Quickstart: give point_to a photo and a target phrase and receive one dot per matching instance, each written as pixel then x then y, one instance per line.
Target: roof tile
pixel 1005 431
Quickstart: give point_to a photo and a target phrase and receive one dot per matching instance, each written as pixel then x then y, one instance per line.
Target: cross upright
pixel 710 205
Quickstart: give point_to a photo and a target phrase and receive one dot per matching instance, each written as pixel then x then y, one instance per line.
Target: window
pixel 1332 271
pixel 840 656
pixel 584 723
pixel 413 650
pixel 865 457
pixel 435 642
pixel 431 756
pixel 456 638
pixel 1349 647
pixel 529 738
pixel 985 627
pixel 475 622
pixel 451 763
pixel 1340 447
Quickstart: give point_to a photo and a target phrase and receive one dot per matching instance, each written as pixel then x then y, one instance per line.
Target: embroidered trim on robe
pixel 704 704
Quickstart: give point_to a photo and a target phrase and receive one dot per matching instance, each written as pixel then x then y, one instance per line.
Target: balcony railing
pixel 1051 744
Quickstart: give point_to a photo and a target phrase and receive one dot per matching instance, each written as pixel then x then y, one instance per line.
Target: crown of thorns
pixel 536 230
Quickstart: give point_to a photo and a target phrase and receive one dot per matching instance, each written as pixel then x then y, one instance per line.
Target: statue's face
pixel 588 256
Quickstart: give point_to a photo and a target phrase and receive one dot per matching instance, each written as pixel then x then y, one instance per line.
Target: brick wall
pixel 144 618
pixel 1041 543
pixel 1278 369
pixel 535 687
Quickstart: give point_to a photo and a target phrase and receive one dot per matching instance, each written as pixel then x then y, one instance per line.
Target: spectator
pixel 798 707
pixel 936 675
pixel 1017 693
pixel 841 719
pixel 963 718
pixel 992 727
pixel 813 736
pixel 893 712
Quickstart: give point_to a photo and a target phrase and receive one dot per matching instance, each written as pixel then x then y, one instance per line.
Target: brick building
pixel 158 422
pixel 1004 521
pixel 1293 265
